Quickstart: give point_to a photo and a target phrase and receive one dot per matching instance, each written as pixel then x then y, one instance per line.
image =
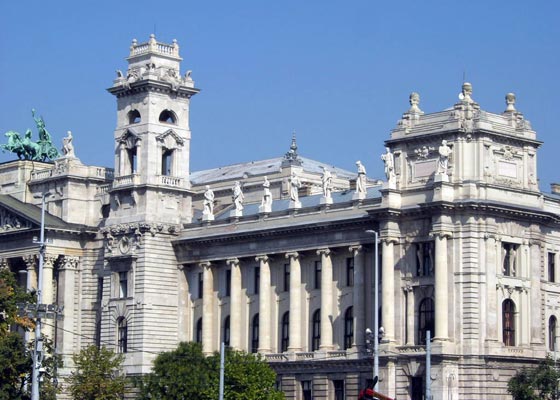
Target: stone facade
pixel 468 248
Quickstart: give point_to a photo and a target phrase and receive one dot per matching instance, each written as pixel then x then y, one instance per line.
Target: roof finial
pixel 466 93
pixel 292 155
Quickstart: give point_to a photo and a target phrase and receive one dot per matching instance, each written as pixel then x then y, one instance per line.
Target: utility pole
pixel 38 353
pixel 222 368
pixel 375 307
pixel 428 365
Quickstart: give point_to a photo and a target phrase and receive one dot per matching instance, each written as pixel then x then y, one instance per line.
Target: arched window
pixel 226 331
pixel 508 322
pixel 199 331
pixel 134 117
pixel 348 327
pixel 316 330
pixel 255 334
pixel 122 335
pixel 426 319
pixel 285 333
pixel 552 333
pixel 168 117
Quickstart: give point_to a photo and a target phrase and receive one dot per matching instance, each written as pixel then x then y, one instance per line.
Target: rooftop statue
pixel 27 149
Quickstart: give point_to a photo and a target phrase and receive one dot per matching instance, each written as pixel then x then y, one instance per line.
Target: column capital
pixel 389 240
pixel 326 251
pixel 491 236
pixel 3 263
pixel 441 234
pixel 49 260
pixel 68 262
pixel 232 261
pixel 262 258
pixel 355 249
pixel 294 254
pixel 205 264
pixel 30 260
pixel 408 288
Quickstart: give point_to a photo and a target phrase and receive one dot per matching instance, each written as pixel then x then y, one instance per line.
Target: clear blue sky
pixel 339 73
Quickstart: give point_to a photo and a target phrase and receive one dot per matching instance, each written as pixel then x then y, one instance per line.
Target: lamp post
pixel 376 307
pixel 38 353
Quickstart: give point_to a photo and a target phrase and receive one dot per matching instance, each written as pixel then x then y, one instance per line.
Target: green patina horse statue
pixel 26 149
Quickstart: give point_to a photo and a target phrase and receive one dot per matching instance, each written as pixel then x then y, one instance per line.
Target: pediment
pixel 11 221
pixel 129 138
pixel 170 139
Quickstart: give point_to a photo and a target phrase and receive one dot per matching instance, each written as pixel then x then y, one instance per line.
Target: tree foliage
pixel 98 375
pixel 185 373
pixel 539 383
pixel 15 359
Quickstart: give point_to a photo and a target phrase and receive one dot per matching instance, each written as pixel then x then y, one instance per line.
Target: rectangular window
pixel 551 267
pixel 338 386
pixel 228 282
pixel 166 158
pixel 200 285
pixel 307 393
pixel 286 277
pixel 350 271
pixel 123 284
pixel 318 268
pixel 257 280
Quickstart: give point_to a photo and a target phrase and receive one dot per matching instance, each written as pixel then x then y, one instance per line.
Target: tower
pixel 152 136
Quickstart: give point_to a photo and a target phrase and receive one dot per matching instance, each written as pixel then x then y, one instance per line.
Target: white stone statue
pixel 238 196
pixel 361 180
pixel 208 211
pixel 266 202
pixel 295 184
pixel 466 93
pixel 67 146
pixel 414 100
pixel 443 162
pixel 326 179
pixel 389 161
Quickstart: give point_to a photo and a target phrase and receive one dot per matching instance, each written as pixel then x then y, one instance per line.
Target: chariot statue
pixel 26 149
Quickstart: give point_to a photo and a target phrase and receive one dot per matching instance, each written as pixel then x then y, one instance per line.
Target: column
pixel 31 263
pixel 358 297
pixel 207 308
pixel 409 293
pixel 295 303
pixel 441 287
pixel 265 311
pixel 67 270
pixel 48 292
pixel 326 299
pixel 388 290
pixel 235 304
pixel 184 324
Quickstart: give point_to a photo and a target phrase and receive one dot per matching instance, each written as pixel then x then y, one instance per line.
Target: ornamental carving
pixel 11 222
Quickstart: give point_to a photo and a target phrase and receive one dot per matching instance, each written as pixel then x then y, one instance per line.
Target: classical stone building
pixel 148 254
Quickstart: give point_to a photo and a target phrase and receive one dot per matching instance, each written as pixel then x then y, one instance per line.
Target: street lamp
pixel 38 353
pixel 376 307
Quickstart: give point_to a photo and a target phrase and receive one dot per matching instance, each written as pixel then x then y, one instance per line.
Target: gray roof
pixel 260 168
pixel 33 213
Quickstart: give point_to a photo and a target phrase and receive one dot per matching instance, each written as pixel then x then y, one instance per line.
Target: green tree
pixel 15 359
pixel 539 383
pixel 98 375
pixel 185 373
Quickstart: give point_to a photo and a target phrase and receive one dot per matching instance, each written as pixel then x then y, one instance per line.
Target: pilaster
pixel 388 289
pixel 358 296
